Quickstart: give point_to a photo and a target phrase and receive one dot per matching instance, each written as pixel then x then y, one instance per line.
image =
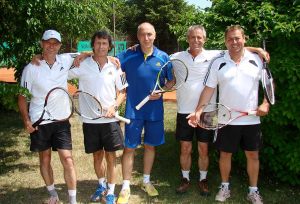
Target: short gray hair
pixel 195 27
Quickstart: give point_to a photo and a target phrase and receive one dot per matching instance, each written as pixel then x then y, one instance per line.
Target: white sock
pixel 126 184
pixel 203 175
pixel 225 185
pixel 72 196
pixel 186 174
pixel 111 188
pixel 102 181
pixel 253 189
pixel 146 178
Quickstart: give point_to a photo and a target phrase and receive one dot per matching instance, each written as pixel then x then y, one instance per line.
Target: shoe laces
pixel 255 196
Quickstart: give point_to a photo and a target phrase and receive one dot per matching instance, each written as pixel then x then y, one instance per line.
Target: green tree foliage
pixel 278 23
pixel 23 23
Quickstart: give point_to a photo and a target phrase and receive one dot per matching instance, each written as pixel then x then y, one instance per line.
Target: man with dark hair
pixel 101 78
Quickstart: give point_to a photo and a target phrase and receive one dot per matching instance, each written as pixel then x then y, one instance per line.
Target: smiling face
pixel 50 47
pixel 196 39
pixel 101 47
pixel 235 41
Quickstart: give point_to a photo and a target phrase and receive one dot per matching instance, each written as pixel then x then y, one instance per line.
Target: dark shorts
pixel 107 136
pixel 184 132
pixel 56 135
pixel 248 137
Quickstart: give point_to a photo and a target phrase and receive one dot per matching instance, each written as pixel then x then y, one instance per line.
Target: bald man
pixel 141 67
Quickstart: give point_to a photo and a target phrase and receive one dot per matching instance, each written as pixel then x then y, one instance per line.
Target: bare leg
pixel 225 165
pixel 185 155
pixel 252 166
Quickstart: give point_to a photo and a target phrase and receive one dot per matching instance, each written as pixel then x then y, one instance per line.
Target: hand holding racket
pixel 58 106
pixel 179 77
pixel 215 116
pixel 267 81
pixel 89 107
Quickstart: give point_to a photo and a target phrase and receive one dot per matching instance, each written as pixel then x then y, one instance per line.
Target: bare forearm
pixel 23 107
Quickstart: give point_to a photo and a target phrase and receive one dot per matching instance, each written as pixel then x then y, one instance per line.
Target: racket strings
pixel 214 116
pixel 267 82
pixel 59 105
pixel 87 106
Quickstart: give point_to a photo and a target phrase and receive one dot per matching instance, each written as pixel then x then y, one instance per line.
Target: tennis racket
pixel 58 106
pixel 216 115
pixel 89 107
pixel 179 77
pixel 267 81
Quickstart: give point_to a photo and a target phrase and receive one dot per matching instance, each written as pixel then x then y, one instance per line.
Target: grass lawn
pixel 20 180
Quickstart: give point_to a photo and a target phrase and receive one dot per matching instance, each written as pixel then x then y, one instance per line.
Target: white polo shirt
pixel 188 94
pixel 39 80
pixel 101 83
pixel 238 84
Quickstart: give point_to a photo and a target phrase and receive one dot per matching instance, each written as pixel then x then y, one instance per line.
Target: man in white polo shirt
pixel 197 59
pixel 52 72
pixel 237 74
pixel 102 79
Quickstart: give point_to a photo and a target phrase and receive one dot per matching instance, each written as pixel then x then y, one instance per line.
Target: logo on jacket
pixel 158 64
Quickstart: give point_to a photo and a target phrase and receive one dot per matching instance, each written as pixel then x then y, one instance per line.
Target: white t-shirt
pixel 101 83
pixel 188 94
pixel 238 84
pixel 39 80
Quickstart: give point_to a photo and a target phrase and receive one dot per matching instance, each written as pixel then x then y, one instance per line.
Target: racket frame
pixel 220 125
pixel 161 88
pixel 117 116
pixel 45 110
pixel 267 71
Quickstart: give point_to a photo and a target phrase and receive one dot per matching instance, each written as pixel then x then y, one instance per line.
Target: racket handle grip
pixel 142 103
pixel 252 112
pixel 125 120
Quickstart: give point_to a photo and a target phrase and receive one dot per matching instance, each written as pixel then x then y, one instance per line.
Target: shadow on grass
pixel 11 126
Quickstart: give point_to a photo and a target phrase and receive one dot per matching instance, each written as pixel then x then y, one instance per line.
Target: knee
pixel 252 155
pixel 68 162
pixel 186 149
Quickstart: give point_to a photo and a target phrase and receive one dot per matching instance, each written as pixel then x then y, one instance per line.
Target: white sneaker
pixel 53 200
pixel 223 194
pixel 255 198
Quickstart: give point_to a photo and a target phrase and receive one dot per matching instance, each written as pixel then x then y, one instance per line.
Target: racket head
pixel 214 116
pixel 58 106
pixel 179 72
pixel 268 85
pixel 87 106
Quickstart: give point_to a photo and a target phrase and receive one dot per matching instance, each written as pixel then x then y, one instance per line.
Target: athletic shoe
pixel 124 196
pixel 53 200
pixel 223 194
pixel 149 189
pixel 110 199
pixel 184 185
pixel 255 198
pixel 203 187
pixel 99 193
